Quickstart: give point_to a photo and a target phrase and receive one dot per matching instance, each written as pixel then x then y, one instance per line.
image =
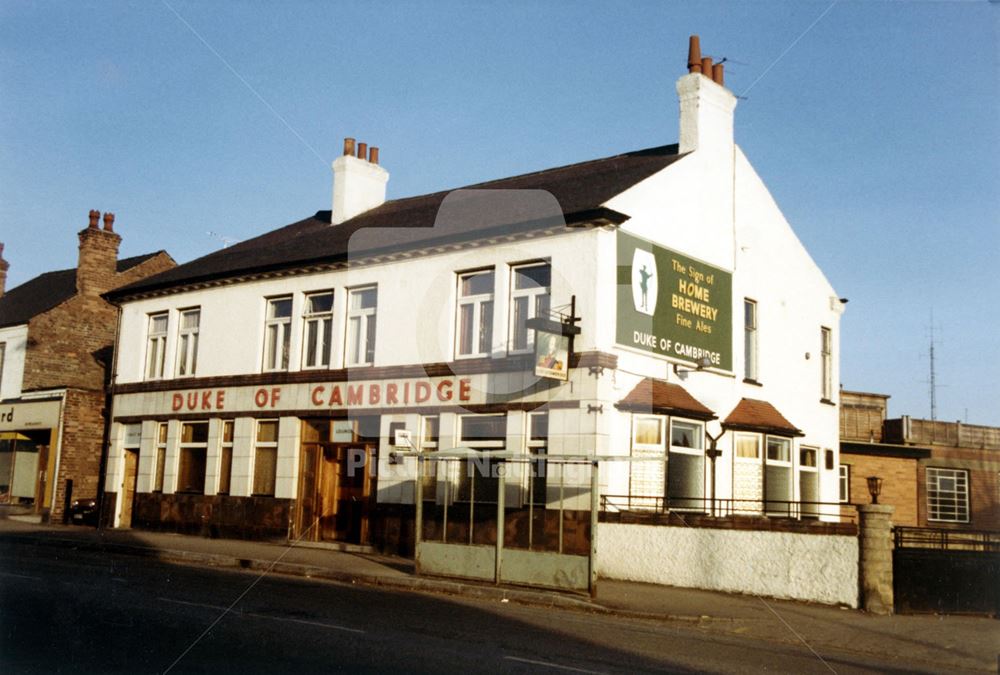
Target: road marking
pixel 550 665
pixel 20 576
pixel 256 615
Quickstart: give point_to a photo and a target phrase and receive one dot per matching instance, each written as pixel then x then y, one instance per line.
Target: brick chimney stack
pixel 96 269
pixel 4 266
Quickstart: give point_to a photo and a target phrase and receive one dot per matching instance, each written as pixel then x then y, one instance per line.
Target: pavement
pixel 940 642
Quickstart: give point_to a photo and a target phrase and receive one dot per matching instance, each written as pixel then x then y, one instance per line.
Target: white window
pixel 538 443
pixel 779 450
pixel 156 345
pixel 475 313
pixel 948 495
pixel 750 339
pixel 316 330
pixel 362 304
pixel 161 456
pixel 194 453
pixel 845 482
pixel 265 462
pixel 826 358
pixel 686 466
pixel 778 476
pixel 809 481
pixel 748 447
pixel 187 342
pixel 647 475
pixel 277 328
pixel 529 298
pixel 485 433
pixel 226 463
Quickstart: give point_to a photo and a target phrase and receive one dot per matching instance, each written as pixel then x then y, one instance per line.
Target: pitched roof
pixel 36 296
pixel 580 189
pixel 751 414
pixel 652 395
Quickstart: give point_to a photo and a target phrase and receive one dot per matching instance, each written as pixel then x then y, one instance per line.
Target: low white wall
pixel 814 567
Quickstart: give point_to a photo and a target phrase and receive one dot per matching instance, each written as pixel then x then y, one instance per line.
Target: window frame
pixel 156 356
pixel 268 446
pixel 660 445
pixel 751 341
pixel 187 355
pixel 365 334
pixel 778 462
pixel 277 361
pixel 187 451
pixel 826 363
pixel 226 442
pixel 844 483
pixel 160 456
pixel 482 330
pixel 538 448
pixel 959 507
pixel 429 444
pixel 758 446
pixel 484 445
pixel 533 294
pixel 324 322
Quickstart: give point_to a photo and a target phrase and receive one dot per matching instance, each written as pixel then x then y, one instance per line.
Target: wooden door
pixel 305 520
pixel 128 487
pixel 354 491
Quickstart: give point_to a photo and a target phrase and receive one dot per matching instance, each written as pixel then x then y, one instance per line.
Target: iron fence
pixel 719 507
pixel 946 540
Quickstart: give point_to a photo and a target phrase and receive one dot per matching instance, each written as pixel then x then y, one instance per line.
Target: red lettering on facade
pixel 177 402
pixel 335 398
pixel 465 389
pixel 444 390
pixel 260 398
pixel 406 392
pixel 192 400
pixel 374 394
pixel 206 400
pixel 317 395
pixel 220 399
pixel 356 395
pixel 390 393
pixel 422 391
pixel 275 396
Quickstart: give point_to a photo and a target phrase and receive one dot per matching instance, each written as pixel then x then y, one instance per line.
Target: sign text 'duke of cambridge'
pixel 672 305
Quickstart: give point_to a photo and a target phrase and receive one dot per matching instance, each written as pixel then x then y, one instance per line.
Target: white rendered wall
pixel 16 339
pixel 812 567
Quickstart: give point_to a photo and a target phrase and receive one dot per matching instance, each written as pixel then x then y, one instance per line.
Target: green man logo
pixel 644 282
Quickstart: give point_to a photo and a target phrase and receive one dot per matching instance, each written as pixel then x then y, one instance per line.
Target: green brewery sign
pixel 672 305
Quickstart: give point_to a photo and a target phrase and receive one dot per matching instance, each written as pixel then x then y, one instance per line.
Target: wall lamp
pixel 874 488
pixel 703 363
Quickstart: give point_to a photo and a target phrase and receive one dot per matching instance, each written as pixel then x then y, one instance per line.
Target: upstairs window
pixel 826 363
pixel 750 339
pixel 475 313
pixel 529 298
pixel 277 329
pixel 156 345
pixel 187 342
pixel 317 329
pixel 362 305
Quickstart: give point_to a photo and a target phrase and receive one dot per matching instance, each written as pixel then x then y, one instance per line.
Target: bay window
pixel 686 466
pixel 647 476
pixel 778 476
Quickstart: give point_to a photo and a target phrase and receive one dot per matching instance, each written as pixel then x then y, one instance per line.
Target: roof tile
pixel 658 396
pixel 754 415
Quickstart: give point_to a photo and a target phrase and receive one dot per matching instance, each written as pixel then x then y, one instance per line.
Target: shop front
pixel 29 432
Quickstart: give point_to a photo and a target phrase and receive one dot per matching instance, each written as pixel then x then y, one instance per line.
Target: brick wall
pixel 984 487
pixel 80 457
pixel 899 484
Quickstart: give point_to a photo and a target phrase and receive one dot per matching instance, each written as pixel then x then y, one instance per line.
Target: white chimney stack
pixel 358 182
pixel 706 105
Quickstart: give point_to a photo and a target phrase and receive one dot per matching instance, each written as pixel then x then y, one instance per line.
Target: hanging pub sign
pixel 554 343
pixel 672 305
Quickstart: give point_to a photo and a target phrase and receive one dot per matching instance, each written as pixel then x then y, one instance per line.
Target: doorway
pixel 335 486
pixel 128 486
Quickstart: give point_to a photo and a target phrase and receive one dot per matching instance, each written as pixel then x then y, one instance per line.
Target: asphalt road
pixel 66 611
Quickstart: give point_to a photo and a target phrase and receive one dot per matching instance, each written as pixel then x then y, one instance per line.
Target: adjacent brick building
pixel 936 474
pixel 56 353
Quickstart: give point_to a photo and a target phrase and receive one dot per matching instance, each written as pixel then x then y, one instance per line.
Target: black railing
pixel 728 507
pixel 946 540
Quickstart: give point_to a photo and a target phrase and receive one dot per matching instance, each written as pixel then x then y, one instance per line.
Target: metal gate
pixel 505 518
pixel 946 571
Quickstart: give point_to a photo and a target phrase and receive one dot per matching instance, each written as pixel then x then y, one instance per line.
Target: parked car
pixel 83 511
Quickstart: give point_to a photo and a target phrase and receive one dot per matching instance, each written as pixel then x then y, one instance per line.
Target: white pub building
pixel 653 306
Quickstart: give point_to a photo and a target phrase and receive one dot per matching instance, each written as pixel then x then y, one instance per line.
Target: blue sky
pixel 878 133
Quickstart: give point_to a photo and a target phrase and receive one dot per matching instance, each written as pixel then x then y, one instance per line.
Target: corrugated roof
pixel 658 396
pixel 751 414
pixel 36 296
pixel 579 189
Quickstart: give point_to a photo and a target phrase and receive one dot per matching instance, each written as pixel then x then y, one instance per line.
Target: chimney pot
pixel 373 155
pixel 109 222
pixel 706 66
pixel 717 74
pixel 94 217
pixel 348 146
pixel 694 54
pixel 362 150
